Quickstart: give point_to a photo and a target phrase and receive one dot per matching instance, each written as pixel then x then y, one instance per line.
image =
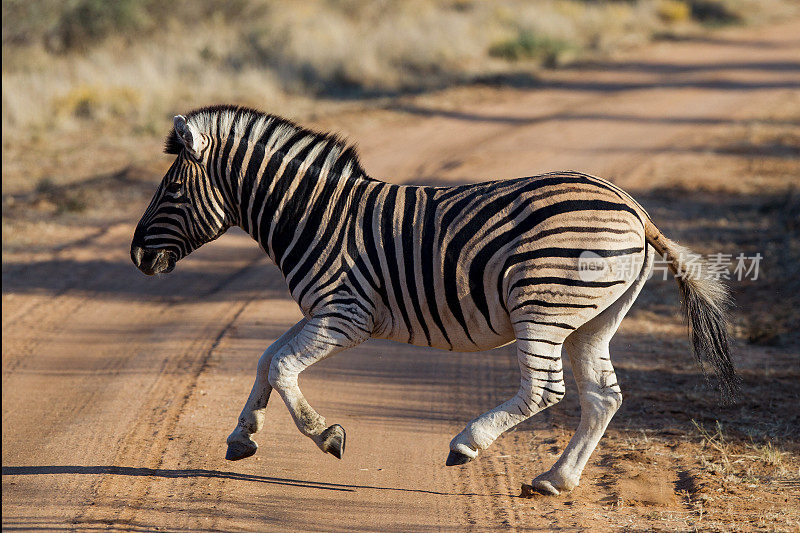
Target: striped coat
pixel 549 261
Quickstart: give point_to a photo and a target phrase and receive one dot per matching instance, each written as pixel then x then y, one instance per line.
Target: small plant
pixel 761 463
pixel 673 11
pixel 769 454
pixel 51 197
pixel 528 45
pixel 93 102
pixel 89 21
pixel 716 441
pixel 713 13
pixel 71 204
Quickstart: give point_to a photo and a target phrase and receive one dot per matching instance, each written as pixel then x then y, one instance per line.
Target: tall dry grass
pixel 138 61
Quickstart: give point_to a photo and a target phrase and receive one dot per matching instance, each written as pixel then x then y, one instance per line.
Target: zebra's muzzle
pixel 152 261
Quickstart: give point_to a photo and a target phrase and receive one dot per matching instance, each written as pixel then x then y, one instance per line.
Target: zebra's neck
pixel 290 197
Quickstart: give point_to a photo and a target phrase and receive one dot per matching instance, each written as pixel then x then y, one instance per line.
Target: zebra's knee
pixel 613 398
pixel 550 398
pixel 534 401
pixel 264 363
pixel 575 341
pixel 603 401
pixel 281 375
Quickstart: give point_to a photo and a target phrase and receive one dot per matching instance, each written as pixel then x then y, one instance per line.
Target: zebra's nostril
pixel 136 255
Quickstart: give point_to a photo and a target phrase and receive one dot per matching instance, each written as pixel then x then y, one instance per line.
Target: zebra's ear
pixel 191 139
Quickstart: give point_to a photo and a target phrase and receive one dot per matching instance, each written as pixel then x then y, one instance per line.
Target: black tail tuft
pixel 705 300
pixel 705 304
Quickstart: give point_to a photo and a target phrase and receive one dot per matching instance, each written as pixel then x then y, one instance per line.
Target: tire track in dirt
pixel 63 254
pixel 32 330
pixel 76 305
pixel 30 326
pixel 499 377
pixel 167 398
pixel 165 406
pixel 487 381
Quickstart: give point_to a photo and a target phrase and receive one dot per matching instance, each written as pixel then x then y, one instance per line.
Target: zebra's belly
pixel 479 344
pixel 455 338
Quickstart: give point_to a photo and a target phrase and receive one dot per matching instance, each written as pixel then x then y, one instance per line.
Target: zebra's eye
pixel 173 188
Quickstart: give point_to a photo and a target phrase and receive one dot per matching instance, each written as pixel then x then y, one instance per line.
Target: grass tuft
pixel 528 45
pixel 95 102
pixel 714 13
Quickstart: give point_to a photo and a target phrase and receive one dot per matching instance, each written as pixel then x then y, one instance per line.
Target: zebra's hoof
pixel 239 450
pixel 457 458
pixel 333 440
pixel 553 483
pixel 544 487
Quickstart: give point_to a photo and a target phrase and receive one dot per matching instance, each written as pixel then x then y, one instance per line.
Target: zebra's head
pixel 186 211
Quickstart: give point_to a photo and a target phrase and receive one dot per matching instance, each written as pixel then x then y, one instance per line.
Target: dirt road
pixel 119 390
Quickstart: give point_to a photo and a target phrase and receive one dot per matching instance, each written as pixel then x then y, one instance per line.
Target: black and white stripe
pixel 442 267
pixel 463 268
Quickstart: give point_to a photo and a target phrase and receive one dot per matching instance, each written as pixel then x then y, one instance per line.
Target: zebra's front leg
pixel 240 445
pixel 317 340
pixel 541 385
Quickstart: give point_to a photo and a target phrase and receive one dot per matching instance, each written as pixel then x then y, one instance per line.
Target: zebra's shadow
pixel 173 473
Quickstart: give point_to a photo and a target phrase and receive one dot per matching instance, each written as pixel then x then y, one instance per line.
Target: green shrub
pixel 713 13
pixel 527 45
pixel 86 22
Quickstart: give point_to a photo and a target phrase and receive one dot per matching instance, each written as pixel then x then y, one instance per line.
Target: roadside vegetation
pixel 140 60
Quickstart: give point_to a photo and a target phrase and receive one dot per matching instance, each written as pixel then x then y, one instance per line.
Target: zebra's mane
pixel 221 121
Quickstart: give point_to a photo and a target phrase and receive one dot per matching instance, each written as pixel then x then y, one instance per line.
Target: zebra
pixel 464 268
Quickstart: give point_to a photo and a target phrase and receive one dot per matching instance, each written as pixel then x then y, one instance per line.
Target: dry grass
pixel 748 463
pixel 136 62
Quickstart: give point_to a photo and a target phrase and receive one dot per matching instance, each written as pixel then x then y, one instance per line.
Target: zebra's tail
pixel 705 301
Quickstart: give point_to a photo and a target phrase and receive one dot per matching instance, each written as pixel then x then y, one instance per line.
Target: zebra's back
pixel 454 264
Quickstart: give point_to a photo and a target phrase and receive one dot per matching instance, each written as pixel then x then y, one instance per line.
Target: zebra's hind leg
pixel 240 445
pixel 541 385
pixel 317 340
pixel 600 395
